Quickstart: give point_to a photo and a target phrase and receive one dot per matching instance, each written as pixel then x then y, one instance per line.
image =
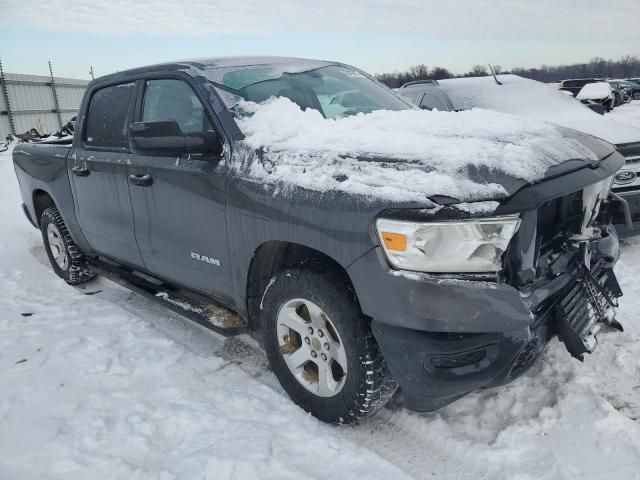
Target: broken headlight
pixel 448 246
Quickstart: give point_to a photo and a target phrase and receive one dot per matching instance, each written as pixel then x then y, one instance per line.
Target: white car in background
pixel 529 98
pixel 599 92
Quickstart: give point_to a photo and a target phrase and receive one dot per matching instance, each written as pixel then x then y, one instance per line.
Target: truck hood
pixel 408 156
pixel 511 183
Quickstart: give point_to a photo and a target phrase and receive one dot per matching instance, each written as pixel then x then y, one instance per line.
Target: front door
pixel 179 202
pixel 99 174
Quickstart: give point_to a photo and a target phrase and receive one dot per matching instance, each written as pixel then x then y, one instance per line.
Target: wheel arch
pixel 274 256
pixel 41 201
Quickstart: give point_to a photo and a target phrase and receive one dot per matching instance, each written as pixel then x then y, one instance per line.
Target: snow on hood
pixel 400 155
pixel 537 100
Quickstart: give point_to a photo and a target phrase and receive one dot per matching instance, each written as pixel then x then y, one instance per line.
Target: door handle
pixel 141 180
pixel 81 171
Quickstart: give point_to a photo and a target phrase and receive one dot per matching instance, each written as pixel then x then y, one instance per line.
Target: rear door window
pixel 108 117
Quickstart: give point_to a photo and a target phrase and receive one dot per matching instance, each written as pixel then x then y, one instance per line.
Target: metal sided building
pixel 42 102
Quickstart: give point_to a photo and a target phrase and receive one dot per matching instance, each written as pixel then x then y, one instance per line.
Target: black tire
pixel 367 385
pixel 636 95
pixel 74 269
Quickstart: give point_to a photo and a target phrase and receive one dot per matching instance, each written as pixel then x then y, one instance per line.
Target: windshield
pixel 334 90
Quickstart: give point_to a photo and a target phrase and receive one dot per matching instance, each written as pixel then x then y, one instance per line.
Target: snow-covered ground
pixel 627 113
pixel 98 383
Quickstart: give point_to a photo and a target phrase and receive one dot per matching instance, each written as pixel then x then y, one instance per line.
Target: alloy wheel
pixel 311 347
pixel 57 246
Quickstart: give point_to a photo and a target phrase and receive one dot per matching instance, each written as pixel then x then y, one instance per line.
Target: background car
pixel 600 92
pixel 632 87
pixel 574 85
pixel 529 98
pixel 619 93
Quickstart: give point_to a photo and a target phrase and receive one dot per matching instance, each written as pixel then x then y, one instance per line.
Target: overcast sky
pixel 375 35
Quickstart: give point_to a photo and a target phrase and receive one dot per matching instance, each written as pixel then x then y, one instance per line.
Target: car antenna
pixel 494 75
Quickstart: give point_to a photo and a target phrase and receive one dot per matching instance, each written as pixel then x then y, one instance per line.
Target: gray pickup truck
pixel 353 296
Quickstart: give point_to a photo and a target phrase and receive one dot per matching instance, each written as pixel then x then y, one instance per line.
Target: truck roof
pixel 218 62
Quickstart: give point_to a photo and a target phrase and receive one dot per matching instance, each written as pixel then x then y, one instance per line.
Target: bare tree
pixel 627 67
pixel 440 73
pixel 478 71
pixel 419 72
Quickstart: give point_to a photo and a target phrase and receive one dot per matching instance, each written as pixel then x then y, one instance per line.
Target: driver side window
pixel 174 100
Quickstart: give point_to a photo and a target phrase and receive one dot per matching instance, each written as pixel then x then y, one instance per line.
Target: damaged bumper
pixel 444 336
pixel 450 336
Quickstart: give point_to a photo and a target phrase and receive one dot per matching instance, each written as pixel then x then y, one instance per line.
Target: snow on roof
pixel 241 61
pixel 400 155
pixel 594 91
pixel 529 98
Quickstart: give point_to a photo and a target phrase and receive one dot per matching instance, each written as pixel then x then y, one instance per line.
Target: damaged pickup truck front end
pixel 456 333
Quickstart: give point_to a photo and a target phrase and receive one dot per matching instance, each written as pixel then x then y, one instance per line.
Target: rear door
pixel 99 174
pixel 179 213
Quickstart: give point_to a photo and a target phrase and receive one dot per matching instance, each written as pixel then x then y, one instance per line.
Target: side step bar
pixel 193 306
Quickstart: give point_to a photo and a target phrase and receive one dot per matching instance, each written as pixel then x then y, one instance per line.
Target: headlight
pixel 456 246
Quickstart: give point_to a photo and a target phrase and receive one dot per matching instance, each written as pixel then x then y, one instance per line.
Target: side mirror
pixel 162 138
pixel 204 143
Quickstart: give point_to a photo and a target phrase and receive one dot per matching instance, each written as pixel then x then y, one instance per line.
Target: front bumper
pixel 443 338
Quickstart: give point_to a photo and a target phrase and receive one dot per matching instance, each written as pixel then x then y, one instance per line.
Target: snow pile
pixel 626 114
pixel 540 101
pixel 402 155
pixel 594 91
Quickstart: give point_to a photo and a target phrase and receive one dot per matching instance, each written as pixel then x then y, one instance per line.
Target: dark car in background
pixel 427 94
pixel 574 85
pixel 621 90
pixel 632 87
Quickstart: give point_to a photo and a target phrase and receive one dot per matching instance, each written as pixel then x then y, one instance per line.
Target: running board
pixel 191 305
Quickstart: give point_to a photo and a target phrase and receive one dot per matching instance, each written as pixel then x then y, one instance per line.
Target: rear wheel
pixel 636 95
pixel 65 257
pixel 321 348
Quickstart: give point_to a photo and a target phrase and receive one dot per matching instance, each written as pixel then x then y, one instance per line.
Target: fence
pixel 46 103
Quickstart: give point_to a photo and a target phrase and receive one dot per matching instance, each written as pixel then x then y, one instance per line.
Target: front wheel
pixel 67 260
pixel 321 347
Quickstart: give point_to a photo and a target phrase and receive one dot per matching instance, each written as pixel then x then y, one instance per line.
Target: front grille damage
pixel 586 303
pixel 568 282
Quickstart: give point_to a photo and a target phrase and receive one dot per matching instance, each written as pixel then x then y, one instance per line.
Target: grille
pixel 583 304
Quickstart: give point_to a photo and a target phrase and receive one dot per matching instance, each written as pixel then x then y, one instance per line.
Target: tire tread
pixel 78 271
